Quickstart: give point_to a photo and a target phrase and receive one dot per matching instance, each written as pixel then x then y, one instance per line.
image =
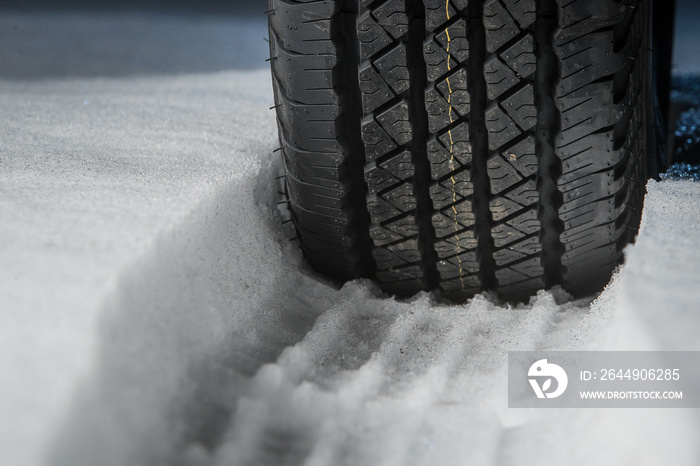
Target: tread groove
pixel 348 53
pixel 548 126
pixel 418 82
pixel 480 145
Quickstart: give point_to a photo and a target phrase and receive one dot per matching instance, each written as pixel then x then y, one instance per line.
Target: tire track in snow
pixel 187 326
pixel 251 361
pixel 411 366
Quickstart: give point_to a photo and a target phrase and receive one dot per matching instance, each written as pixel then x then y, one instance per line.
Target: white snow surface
pixel 153 311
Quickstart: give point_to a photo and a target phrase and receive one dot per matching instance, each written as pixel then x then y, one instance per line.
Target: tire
pixel 463 146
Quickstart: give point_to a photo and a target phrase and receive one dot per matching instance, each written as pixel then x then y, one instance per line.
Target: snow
pixel 153 310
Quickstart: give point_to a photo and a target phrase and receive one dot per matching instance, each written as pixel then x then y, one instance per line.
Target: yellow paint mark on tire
pixel 452 156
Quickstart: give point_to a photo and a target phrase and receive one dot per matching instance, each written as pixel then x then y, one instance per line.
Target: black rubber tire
pixel 464 145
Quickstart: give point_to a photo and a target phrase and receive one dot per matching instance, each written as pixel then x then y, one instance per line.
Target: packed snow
pixel 154 310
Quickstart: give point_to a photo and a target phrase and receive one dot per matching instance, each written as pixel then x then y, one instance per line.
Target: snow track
pixel 232 354
pixel 191 319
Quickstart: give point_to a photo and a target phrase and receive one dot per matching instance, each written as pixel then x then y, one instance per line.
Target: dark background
pixel 175 6
pixel 687 34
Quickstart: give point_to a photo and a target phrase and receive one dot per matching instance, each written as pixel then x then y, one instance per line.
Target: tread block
pixel 463 264
pixel 522 11
pixel 375 90
pixel 323 224
pixel 399 166
pixel 503 234
pixel 508 275
pixel 398 254
pixel 439 111
pixel 317 119
pixel 401 197
pixel 323 168
pixel 582 63
pixel 525 194
pixel 579 18
pixel 441 161
pixel 381 236
pixel 502 207
pixel 377 141
pixel 405 226
pixel 505 256
pixel 392 16
pixel 579 238
pixel 522 225
pixel 530 268
pixel 378 179
pixel 500 127
pixel 454 189
pixel 380 210
pixel 313 33
pixel 455 244
pixel 527 222
pixel 523 289
pixel 456 36
pixel 521 108
pixel 598 212
pixel 520 56
pixel 522 156
pixel 436 14
pixel 407 250
pixel 371 35
pixel 393 231
pixel 456 142
pixel 603 142
pixel 436 60
pixel 528 246
pixel 581 123
pixel 386 259
pixel 451 219
pixel 499 77
pixel 577 186
pixel 454 87
pixel 312 84
pixel 502 174
pixel 395 122
pixel 319 199
pixel 601 259
pixel 393 278
pixel 459 290
pixel 392 67
pixel 500 27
